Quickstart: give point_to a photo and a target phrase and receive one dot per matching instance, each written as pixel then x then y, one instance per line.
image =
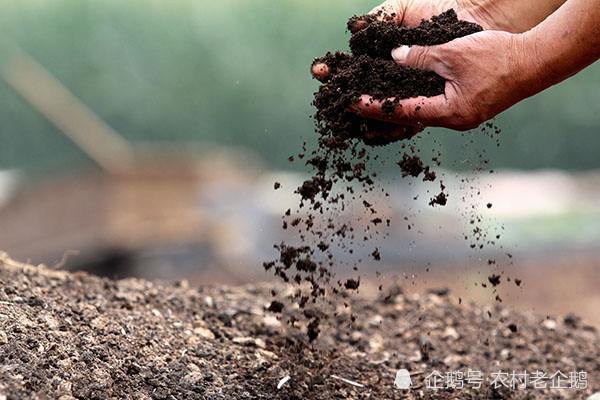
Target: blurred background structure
pixel 192 111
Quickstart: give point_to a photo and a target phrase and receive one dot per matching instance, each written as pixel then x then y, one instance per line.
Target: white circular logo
pixel 403 380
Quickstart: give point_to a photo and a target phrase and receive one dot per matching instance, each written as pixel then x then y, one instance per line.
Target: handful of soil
pixel 369 69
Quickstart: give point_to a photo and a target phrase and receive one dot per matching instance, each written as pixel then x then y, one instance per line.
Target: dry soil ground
pixel 69 336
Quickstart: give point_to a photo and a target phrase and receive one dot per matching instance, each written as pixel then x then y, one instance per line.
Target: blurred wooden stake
pixel 67 113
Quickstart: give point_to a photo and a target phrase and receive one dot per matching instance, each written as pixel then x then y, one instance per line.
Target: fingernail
pixel 400 54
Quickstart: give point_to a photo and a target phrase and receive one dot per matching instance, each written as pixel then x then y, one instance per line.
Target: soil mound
pixel 73 336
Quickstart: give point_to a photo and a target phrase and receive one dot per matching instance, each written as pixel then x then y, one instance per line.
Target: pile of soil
pixel 74 336
pixel 341 165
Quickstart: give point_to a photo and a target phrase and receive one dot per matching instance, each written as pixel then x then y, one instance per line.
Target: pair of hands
pixel 485 73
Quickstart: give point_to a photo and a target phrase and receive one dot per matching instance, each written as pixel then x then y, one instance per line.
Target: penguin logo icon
pixel 403 380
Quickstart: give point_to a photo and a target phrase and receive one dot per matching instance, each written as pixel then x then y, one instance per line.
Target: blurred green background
pixel 235 72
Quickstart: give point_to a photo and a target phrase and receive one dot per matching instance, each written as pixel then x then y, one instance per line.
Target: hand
pixel 485 74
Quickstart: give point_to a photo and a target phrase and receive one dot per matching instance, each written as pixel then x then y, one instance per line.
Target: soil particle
pixel 352 284
pixel 494 279
pixel 313 329
pixel 440 199
pixel 412 165
pixel 376 255
pixel 276 307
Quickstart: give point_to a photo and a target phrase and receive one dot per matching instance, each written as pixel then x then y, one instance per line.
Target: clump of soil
pixel 341 164
pixel 412 165
pixel 74 336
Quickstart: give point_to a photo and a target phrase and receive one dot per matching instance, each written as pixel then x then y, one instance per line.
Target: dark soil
pixel 73 336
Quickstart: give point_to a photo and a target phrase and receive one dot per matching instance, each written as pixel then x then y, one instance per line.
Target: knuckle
pixel 421 57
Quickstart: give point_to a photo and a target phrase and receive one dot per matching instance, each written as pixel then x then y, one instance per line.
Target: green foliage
pixel 234 72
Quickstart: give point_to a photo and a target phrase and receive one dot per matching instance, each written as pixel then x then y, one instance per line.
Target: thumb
pixel 419 57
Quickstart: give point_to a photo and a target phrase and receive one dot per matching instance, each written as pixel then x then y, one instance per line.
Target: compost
pixel 75 336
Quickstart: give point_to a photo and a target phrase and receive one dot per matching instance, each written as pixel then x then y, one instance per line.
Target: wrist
pixel 531 62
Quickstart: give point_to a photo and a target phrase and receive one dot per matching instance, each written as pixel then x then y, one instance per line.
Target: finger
pixel 320 71
pixel 420 57
pixel 418 111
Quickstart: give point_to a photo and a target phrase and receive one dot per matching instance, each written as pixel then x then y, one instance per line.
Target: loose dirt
pixel 74 336
pixel 342 164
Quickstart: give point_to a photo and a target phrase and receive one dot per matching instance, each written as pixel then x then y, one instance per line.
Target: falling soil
pixel 341 172
pixel 74 336
pixel 494 279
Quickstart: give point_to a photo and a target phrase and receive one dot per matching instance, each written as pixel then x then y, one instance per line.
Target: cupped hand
pixel 485 74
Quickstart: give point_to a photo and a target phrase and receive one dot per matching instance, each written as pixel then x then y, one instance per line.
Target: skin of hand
pixel 489 71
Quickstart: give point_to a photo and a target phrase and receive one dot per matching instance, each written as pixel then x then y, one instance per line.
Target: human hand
pixel 390 11
pixel 485 73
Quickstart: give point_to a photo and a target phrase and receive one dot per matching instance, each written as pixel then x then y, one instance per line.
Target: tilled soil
pixel 67 336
